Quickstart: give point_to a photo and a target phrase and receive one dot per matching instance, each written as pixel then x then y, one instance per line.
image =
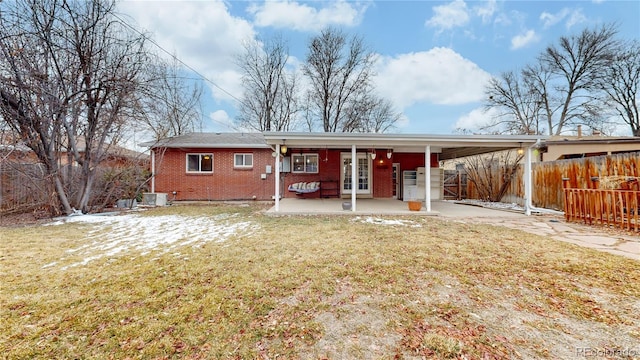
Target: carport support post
pixel 354 159
pixel 277 192
pixel 153 171
pixel 427 177
pixel 527 181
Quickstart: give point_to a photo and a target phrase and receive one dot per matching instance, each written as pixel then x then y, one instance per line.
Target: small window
pixel 243 160
pixel 200 163
pixel 305 163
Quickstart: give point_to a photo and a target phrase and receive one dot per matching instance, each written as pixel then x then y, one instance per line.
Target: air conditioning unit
pixel 154 199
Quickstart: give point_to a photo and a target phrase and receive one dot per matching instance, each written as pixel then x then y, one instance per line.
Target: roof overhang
pixel 449 146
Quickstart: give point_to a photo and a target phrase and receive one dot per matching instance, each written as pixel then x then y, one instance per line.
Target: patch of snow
pixel 379 221
pixel 492 205
pixel 122 234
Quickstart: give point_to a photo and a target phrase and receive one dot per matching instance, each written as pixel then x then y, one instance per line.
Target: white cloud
pixel 446 17
pixel 486 11
pixel 522 40
pixel 438 76
pixel 475 119
pixel 572 17
pixel 186 29
pixel 577 17
pixel 221 118
pixel 302 17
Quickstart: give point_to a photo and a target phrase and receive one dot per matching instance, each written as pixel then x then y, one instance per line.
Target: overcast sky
pixel 434 58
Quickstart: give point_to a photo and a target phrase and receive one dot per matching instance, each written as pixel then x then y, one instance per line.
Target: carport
pixel 446 146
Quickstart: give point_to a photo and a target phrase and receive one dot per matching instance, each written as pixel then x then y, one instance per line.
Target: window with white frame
pixel 304 163
pixel 243 160
pixel 199 163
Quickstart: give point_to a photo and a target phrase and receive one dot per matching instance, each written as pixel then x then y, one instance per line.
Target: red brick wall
pixel 328 170
pixel 225 183
pixel 410 161
pixel 229 183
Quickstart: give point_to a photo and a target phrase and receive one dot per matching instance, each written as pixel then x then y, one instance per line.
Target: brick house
pixel 212 166
pixel 272 165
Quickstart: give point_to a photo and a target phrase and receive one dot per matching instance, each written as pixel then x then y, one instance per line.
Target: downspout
pixel 528 205
pixel 527 181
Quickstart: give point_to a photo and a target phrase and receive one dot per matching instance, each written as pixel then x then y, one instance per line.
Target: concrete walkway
pixel 554 226
pixel 612 241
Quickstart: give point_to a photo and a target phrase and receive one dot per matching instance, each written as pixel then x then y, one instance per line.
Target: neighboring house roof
pixel 14 147
pixel 211 140
pixel 559 147
pixel 110 150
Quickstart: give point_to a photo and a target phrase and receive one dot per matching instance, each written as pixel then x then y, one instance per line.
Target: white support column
pixel 427 177
pixel 528 204
pixel 153 171
pixel 277 191
pixel 354 177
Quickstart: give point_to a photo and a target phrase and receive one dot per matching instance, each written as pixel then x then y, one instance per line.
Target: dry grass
pixel 317 287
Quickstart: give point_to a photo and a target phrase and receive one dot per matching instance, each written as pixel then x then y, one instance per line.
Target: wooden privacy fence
pixel 618 208
pixel 551 177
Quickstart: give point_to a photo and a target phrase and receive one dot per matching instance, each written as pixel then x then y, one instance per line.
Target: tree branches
pixel 561 89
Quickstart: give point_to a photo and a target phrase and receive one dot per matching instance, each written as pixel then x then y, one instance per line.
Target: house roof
pixel 561 147
pixel 211 140
pixel 593 139
pixel 449 146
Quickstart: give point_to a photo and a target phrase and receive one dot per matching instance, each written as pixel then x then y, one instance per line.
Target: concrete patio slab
pixel 291 206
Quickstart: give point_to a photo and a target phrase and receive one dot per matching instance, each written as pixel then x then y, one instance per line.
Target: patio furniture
pixel 304 187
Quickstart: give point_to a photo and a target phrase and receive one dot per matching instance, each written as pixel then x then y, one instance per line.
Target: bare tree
pixel 269 101
pixel 370 113
pixel 340 71
pixel 69 71
pixel 518 103
pixel 492 173
pixel 622 83
pixel 561 89
pixel 578 63
pixel 169 103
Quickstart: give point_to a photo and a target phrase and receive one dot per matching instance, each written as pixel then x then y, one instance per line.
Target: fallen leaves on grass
pixel 314 287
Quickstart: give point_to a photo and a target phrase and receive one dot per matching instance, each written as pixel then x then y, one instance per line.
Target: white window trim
pixel 186 165
pixel 243 166
pixel 305 162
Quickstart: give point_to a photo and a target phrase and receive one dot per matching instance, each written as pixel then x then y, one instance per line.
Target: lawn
pixel 208 282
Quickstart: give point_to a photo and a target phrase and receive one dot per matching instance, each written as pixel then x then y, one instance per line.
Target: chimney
pixel 579 131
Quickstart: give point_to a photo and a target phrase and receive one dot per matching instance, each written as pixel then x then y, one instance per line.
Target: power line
pixel 202 77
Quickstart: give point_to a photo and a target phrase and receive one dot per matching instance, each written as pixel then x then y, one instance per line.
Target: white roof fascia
pixel 368 140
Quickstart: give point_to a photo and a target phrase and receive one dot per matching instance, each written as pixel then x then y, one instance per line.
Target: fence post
pixel 565 183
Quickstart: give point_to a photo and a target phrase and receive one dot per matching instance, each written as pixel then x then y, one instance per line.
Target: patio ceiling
pixel 448 146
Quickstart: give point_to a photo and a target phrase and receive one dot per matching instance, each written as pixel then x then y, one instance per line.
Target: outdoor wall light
pixel 283 149
pixel 373 154
pixel 520 150
pixel 389 154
